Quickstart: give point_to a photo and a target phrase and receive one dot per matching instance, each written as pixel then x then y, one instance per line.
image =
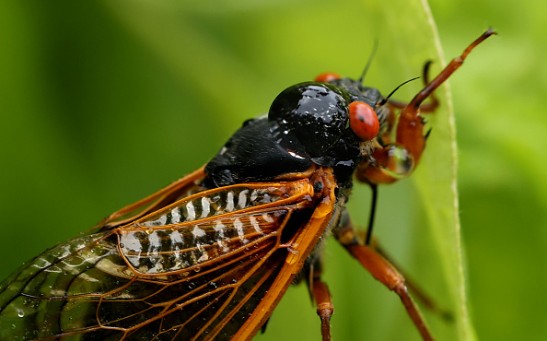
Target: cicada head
pixel 334 122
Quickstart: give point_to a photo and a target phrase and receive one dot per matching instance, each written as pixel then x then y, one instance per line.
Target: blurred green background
pixel 102 103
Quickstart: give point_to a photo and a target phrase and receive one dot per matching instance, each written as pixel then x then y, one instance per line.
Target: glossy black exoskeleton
pixel 307 124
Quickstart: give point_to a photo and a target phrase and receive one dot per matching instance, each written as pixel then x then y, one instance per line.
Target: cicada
pixel 210 256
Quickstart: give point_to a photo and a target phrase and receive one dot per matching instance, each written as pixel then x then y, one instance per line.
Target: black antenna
pixel 384 101
pixel 369 61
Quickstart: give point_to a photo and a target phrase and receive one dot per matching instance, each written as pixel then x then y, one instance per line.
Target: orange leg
pixel 398 160
pixel 325 308
pixel 425 300
pixel 320 295
pixel 367 239
pixel 382 270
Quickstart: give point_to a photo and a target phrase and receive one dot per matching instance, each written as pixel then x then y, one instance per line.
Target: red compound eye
pixel 363 120
pixel 327 77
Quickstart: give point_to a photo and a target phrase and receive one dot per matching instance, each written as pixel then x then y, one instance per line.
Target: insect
pixel 210 256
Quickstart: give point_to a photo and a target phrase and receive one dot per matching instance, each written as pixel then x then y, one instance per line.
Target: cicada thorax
pixel 308 124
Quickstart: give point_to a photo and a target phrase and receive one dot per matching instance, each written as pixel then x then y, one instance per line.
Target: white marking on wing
pixel 242 199
pixel 267 218
pixel 206 207
pixel 238 225
pixel 255 224
pixel 198 232
pixel 230 201
pixel 191 211
pixel 175 215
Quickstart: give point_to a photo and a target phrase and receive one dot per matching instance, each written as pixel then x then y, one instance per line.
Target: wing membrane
pixel 181 188
pixel 190 270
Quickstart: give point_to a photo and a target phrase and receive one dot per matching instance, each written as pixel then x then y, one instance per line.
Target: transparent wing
pixel 195 269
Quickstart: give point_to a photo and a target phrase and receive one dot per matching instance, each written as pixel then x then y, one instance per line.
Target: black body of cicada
pixel 307 124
